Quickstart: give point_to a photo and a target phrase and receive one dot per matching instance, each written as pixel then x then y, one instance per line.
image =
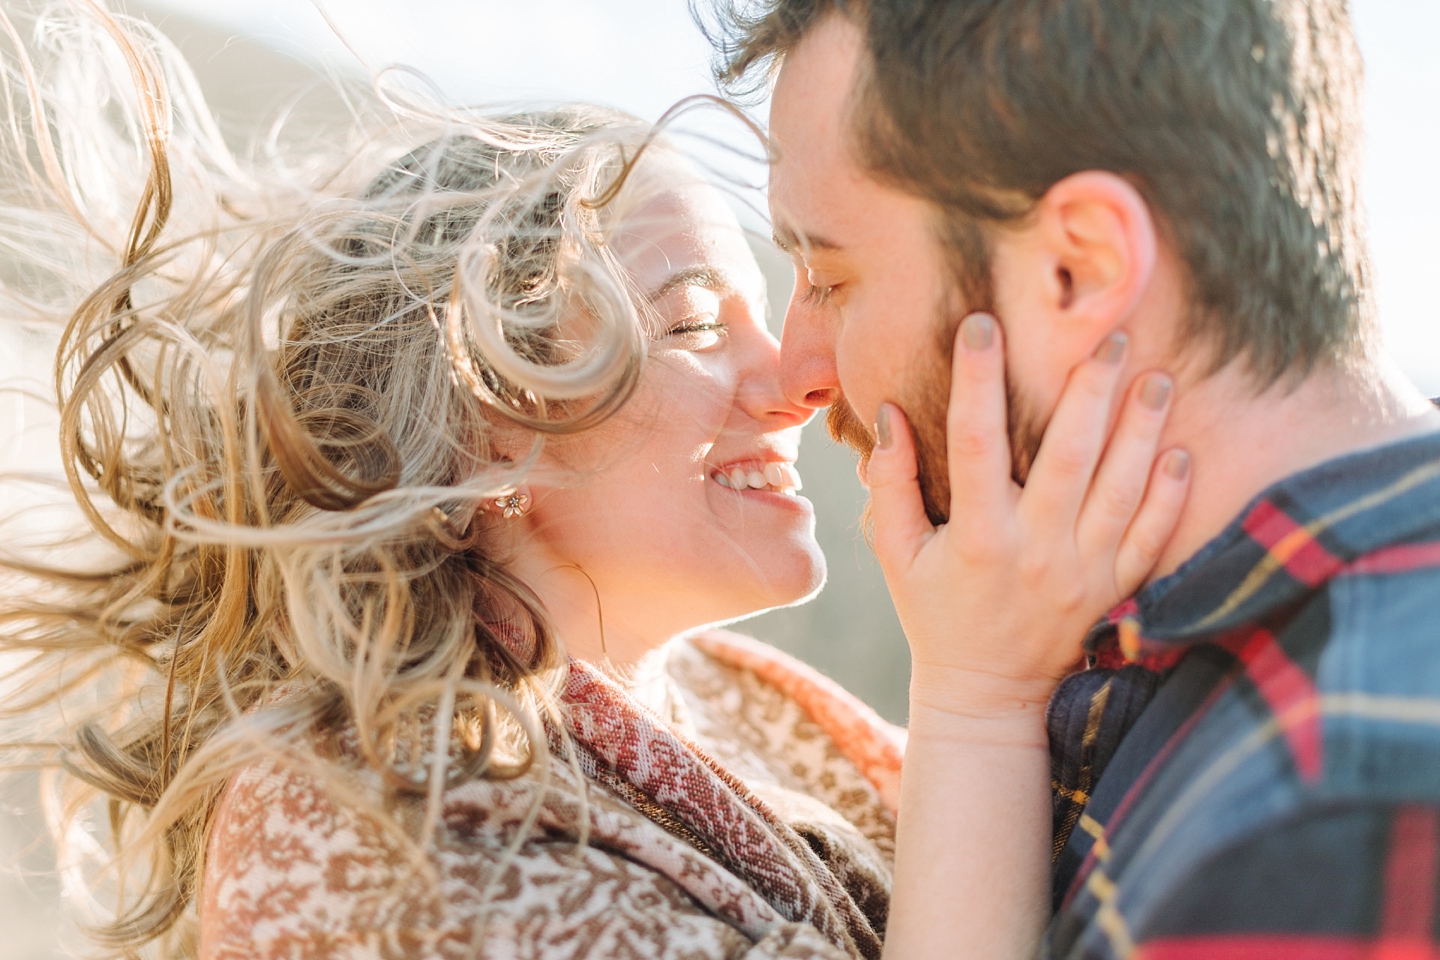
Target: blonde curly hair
pixel 278 413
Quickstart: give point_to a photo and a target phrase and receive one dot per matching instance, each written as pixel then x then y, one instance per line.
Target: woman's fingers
pixel 901 527
pixel 1062 472
pixel 1151 529
pixel 1125 468
pixel 977 433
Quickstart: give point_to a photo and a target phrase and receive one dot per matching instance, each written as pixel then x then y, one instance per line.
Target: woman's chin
pixel 797 580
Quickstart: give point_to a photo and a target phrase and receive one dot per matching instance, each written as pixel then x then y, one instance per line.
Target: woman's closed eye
pixel 693 318
pixel 697 333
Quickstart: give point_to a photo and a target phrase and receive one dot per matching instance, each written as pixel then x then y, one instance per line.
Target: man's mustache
pixel 844 426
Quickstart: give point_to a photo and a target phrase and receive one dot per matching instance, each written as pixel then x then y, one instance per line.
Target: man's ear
pixel 1097 238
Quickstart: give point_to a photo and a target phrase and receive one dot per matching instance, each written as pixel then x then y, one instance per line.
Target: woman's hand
pixel 994 605
pixel 995 602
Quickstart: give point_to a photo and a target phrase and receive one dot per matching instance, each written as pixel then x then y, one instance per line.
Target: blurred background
pixel 642 56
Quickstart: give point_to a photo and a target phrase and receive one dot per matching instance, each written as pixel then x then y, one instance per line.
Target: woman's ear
pixel 1097 239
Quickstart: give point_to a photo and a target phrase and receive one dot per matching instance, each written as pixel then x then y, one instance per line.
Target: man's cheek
pixel 871 371
pixel 860 383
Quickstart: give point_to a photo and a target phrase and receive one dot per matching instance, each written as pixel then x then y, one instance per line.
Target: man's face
pixel 874 310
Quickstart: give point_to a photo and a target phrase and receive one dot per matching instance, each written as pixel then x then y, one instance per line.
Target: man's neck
pixel 1241 443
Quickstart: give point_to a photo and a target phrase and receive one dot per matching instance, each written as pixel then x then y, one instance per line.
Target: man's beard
pixel 925 400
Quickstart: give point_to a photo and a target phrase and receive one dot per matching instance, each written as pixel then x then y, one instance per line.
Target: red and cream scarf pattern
pixel 683 859
pixel 615 735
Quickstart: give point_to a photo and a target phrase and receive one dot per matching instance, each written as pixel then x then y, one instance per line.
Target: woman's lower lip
pixel 775 496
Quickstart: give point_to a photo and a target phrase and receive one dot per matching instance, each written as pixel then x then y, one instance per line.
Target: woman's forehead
pixel 678 228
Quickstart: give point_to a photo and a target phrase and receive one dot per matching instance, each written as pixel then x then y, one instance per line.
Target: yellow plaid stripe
pixel 1079 795
pixel 1108 916
pixel 1097 830
pixel 1277 556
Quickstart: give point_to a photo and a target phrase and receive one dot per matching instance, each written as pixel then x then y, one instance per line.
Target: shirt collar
pixel 1285 544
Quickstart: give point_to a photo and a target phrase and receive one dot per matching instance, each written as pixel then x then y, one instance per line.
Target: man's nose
pixel 807 356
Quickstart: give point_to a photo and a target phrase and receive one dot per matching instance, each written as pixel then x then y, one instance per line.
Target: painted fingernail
pixel 1112 348
pixel 1155 391
pixel 882 427
pixel 1177 464
pixel 978 332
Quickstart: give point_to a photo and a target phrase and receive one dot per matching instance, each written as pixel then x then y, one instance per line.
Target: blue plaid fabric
pixel 1250 766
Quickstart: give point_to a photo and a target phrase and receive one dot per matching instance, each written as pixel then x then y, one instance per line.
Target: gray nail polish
pixel 1112 348
pixel 978 331
pixel 1155 392
pixel 882 427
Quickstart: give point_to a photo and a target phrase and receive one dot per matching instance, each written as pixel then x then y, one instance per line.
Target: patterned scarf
pixel 621 744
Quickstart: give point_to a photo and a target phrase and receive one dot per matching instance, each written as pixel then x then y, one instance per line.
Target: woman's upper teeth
pixel 760 476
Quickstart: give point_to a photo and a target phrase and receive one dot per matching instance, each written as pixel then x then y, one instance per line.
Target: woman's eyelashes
pixel 697 333
pixel 696 324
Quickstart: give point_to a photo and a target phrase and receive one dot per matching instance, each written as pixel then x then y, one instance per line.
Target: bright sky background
pixel 643 55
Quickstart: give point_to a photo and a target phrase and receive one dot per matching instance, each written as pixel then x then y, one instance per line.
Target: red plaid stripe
pixel 1270 947
pixel 1291 545
pixel 1398 559
pixel 1407 919
pixel 1289 692
pixel 1127 608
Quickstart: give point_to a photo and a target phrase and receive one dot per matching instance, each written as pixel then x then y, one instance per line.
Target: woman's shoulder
pixel 788 703
pixel 825 761
pixel 292 869
pixel 297 868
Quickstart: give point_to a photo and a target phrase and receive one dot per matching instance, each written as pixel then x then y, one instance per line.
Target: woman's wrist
pixel 958 731
pixel 976 706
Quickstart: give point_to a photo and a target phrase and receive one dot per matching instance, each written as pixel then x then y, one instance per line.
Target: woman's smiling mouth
pixel 773 476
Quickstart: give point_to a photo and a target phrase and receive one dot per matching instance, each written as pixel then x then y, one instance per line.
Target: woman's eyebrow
pixel 699 276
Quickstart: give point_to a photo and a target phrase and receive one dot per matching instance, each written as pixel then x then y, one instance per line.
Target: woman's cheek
pixel 703 391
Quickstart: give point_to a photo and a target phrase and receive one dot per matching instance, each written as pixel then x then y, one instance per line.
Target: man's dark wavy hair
pixel 1238 120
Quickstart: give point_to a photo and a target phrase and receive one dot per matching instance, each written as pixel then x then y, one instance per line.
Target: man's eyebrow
pixel 787 240
pixel 699 276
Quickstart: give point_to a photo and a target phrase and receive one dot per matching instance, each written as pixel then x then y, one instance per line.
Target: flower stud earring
pixel 513 504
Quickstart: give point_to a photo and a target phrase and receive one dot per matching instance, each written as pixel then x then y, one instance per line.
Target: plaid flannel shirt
pixel 1250 767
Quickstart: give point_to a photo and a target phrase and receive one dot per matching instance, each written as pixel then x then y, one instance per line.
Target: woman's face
pixel 682 508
